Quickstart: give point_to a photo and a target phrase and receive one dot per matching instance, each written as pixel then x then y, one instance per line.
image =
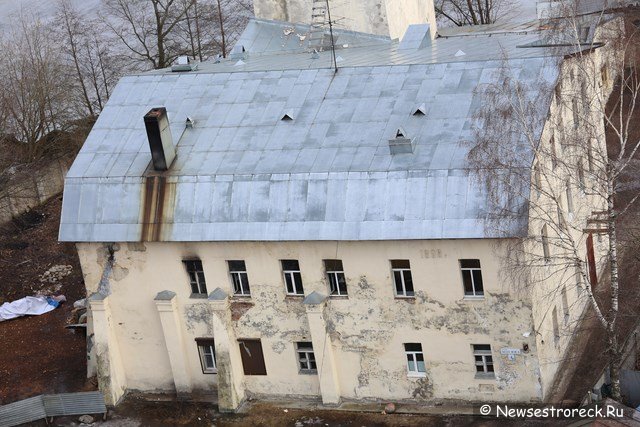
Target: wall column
pixel 322 349
pixel 110 370
pixel 231 391
pixel 166 303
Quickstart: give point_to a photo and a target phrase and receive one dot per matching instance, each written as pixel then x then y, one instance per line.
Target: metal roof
pixel 242 173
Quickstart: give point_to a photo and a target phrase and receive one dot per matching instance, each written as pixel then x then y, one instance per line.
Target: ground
pixel 39 354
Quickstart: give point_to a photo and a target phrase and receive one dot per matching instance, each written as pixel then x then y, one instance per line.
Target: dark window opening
pixel 472 277
pixel 196 276
pixel 239 278
pixel 292 276
pixel 336 277
pixel 402 279
pixel 252 357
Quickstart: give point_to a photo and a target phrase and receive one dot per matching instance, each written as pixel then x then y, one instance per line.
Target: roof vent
pixel 420 111
pixel 238 52
pixel 400 144
pixel 189 123
pixel 287 116
pixel 183 64
pixel 163 152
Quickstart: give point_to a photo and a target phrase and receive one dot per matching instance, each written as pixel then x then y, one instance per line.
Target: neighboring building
pixel 318 234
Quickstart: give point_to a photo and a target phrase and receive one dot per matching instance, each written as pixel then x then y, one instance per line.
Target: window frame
pixel 239 275
pixel 210 343
pixel 475 294
pixel 336 276
pixel 291 274
pixel 309 358
pixel 403 278
pixel 413 354
pixel 546 252
pixel 555 325
pixel 194 279
pixel 484 354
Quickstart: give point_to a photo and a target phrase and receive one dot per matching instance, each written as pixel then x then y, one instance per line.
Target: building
pixel 303 231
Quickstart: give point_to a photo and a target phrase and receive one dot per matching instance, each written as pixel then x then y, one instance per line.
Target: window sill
pixel 294 296
pixel 339 296
pixel 311 372
pixel 237 296
pixel 473 298
pixel 417 375
pixel 409 298
pixel 198 296
pixel 210 372
pixel 485 376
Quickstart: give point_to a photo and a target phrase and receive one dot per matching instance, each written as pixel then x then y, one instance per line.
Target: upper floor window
pixel 554 324
pixel 292 276
pixel 472 277
pixel 207 352
pixel 239 278
pixel 569 197
pixel 196 276
pixel 415 360
pixel 483 359
pixel 402 277
pixel 335 275
pixel 306 358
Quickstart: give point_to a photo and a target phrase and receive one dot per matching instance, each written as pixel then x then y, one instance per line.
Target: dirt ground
pixel 38 354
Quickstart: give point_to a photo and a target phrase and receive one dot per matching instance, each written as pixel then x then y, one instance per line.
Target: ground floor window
pixel 306 358
pixel 483 360
pixel 415 360
pixel 207 352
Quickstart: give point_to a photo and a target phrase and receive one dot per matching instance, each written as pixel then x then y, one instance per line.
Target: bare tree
pixel 574 172
pixel 472 12
pixel 149 28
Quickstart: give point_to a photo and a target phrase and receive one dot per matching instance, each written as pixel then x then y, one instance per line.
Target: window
pixel 472 277
pixel 402 277
pixel 292 276
pixel 554 155
pixel 335 274
pixel 545 244
pixel 415 360
pixel 559 212
pixel 306 358
pixel 483 360
pixel 537 179
pixel 581 175
pixel 590 154
pixel 576 117
pixel 207 352
pixel 565 305
pixel 556 329
pixel 604 75
pixel 239 278
pixel 252 357
pixel 196 276
pixel 569 197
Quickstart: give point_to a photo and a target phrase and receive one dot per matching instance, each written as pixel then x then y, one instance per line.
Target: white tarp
pixel 29 306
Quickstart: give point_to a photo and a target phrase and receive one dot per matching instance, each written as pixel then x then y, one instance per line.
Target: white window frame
pixel 412 355
pixel 195 276
pixel 402 270
pixel 484 355
pixel 298 288
pixel 335 274
pixel 546 253
pixel 305 355
pixel 204 349
pixel 241 278
pixel 473 281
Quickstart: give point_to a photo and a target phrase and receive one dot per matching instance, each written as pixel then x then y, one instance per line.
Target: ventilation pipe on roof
pixel 417 36
pixel 163 152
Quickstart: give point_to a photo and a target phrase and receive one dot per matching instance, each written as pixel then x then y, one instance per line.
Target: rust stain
pixel 157 207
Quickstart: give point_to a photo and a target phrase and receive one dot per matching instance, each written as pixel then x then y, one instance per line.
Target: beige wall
pixel 367 330
pixel 382 17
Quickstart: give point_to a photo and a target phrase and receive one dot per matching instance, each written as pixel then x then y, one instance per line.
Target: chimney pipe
pixel 163 152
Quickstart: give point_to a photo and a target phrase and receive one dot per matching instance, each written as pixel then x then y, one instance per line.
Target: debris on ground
pixel 30 306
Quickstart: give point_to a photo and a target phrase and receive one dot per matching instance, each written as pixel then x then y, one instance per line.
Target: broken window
pixel 402 277
pixel 335 275
pixel 569 197
pixel 207 352
pixel 306 358
pixel 556 329
pixel 581 175
pixel 472 277
pixel 252 357
pixel 292 276
pixel 239 278
pixel 415 360
pixel 483 359
pixel 196 276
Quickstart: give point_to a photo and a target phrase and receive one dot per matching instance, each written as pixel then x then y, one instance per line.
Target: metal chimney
pixel 163 152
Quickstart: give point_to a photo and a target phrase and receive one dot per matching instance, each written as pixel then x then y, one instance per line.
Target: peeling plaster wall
pixel 367 329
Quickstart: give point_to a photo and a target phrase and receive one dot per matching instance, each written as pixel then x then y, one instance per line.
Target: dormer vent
pixel 401 144
pixel 189 123
pixel 287 116
pixel 421 110
pixel 183 63
pixel 163 152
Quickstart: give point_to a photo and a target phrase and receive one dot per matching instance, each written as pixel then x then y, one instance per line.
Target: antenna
pixel 320 15
pixel 333 44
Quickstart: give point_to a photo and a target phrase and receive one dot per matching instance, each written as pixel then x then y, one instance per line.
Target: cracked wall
pixel 367 329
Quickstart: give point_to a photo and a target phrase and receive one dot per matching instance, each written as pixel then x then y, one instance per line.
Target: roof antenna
pixel 333 44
